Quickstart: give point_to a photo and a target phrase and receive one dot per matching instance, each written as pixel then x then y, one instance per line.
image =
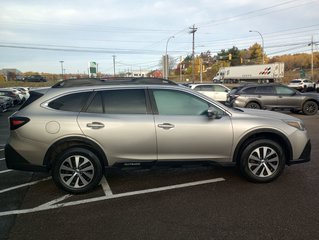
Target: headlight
pixel 297 124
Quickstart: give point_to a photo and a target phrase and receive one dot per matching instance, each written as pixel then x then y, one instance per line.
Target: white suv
pixel 218 92
pixel 301 84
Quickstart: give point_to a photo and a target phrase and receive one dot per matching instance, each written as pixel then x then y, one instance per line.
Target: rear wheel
pixel 262 160
pixel 310 108
pixel 253 105
pixel 77 170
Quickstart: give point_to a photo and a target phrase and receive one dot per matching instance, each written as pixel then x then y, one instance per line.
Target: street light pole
pixel 262 42
pixel 62 68
pixel 166 58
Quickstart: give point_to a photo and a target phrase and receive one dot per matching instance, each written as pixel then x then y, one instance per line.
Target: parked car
pixel 272 97
pixel 302 84
pixel 76 132
pixel 13 93
pixel 3 107
pixel 7 101
pixel 217 92
pixel 24 92
pixel 35 78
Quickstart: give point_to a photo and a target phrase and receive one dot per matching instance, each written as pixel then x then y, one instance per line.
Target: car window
pixel 265 89
pixel 96 105
pixel 218 88
pixel 249 90
pixel 71 102
pixel 126 101
pixel 178 103
pixel 284 90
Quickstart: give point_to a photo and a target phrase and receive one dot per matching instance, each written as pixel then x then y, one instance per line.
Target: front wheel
pixel 310 108
pixel 253 105
pixel 77 170
pixel 262 160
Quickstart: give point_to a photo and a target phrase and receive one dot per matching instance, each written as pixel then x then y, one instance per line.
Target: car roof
pixel 111 81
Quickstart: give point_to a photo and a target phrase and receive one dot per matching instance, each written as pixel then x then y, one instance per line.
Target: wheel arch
pixel 59 146
pixel 271 134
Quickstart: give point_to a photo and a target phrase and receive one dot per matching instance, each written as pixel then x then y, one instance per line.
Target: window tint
pixel 265 89
pixel 96 105
pixel 128 101
pixel 249 90
pixel 218 88
pixel 72 102
pixel 284 90
pixel 178 103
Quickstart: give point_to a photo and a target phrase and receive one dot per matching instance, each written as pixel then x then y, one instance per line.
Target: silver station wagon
pixel 77 132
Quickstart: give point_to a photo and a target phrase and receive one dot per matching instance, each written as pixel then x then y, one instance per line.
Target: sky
pixel 36 35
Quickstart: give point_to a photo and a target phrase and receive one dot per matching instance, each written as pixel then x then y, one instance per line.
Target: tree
pixel 256 54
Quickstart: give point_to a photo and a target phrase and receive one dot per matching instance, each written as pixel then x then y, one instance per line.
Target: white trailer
pixel 272 72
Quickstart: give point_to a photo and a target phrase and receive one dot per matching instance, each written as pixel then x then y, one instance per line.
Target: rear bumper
pixel 304 157
pixel 15 161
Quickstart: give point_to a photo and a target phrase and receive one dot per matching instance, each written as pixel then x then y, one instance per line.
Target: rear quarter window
pixel 71 102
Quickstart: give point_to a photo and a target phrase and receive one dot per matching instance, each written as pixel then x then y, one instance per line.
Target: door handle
pixel 166 126
pixel 95 125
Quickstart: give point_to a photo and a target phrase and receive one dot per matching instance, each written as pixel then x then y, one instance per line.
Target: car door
pixel 184 132
pixel 220 93
pixel 287 97
pixel 267 96
pixel 121 123
pixel 206 90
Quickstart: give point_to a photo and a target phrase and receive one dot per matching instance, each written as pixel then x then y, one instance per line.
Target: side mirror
pixel 213 114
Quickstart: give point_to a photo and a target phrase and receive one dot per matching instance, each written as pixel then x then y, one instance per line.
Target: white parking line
pixel 1 150
pixel 2 159
pixel 24 185
pixel 106 187
pixel 5 171
pixel 113 196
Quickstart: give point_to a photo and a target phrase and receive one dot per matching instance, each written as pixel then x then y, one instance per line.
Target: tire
pixel 310 108
pixel 77 170
pixel 262 161
pixel 253 105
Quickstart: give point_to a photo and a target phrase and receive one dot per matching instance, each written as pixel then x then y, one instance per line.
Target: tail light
pixel 16 122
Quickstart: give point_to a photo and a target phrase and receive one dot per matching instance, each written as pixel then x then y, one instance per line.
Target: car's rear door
pixel 119 120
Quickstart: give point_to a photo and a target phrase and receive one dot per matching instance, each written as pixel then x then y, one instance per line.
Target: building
pixel 10 73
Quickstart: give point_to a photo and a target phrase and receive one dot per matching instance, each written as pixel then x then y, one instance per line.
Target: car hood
pixel 310 94
pixel 268 114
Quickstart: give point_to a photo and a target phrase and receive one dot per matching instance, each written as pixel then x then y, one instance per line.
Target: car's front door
pixel 288 97
pixel 184 132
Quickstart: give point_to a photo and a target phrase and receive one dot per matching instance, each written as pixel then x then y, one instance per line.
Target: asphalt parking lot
pixel 192 202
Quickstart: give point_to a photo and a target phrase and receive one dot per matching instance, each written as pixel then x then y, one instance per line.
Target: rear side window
pixel 265 89
pixel 128 101
pixel 249 90
pixel 71 103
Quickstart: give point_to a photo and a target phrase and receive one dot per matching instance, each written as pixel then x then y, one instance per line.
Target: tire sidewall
pixel 250 148
pixel 304 108
pixel 98 172
pixel 257 106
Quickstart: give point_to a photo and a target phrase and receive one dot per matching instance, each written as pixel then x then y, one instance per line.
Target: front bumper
pixel 15 161
pixel 304 157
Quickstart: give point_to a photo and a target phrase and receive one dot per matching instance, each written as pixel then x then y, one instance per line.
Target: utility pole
pixel 192 31
pixel 113 65
pixel 62 68
pixel 312 57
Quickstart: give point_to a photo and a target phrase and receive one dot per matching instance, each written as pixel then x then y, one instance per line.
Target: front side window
pixel 218 88
pixel 284 90
pixel 71 102
pixel 179 103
